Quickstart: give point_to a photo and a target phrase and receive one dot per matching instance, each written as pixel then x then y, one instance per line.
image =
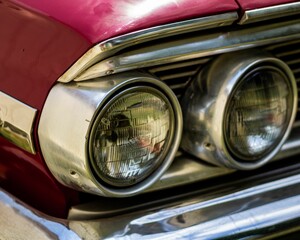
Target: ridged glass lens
pixel 258 113
pixel 131 137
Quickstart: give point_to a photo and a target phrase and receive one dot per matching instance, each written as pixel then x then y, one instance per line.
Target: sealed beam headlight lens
pixel 258 113
pixel 240 109
pixel 131 136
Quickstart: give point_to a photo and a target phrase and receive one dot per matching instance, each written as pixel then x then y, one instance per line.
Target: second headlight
pixel 239 110
pixel 258 113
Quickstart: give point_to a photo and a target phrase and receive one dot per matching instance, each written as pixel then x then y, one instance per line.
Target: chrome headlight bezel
pixel 67 122
pixel 101 112
pixel 205 102
pixel 271 71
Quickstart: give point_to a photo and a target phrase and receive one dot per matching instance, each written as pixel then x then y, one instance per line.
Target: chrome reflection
pixel 16 122
pixel 232 213
pixel 193 46
pixel 258 113
pixel 67 123
pixel 112 46
pixel 207 101
pixel 20 222
pixel 131 136
pixel 267 13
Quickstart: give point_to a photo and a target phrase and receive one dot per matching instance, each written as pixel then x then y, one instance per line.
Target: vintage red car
pixel 140 119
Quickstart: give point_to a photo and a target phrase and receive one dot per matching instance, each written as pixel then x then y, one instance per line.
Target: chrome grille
pixel 289 52
pixel 177 75
pixel 176 57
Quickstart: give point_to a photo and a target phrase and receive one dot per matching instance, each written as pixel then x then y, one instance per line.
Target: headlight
pixel 239 110
pixel 258 113
pixel 113 136
pixel 131 136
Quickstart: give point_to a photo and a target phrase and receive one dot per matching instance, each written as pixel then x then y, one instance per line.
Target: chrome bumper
pixel 268 207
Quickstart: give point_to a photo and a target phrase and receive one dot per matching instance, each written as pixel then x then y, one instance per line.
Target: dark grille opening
pixel 177 75
pixel 289 52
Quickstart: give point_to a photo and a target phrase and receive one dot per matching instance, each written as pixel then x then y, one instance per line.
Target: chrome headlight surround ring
pixel 65 146
pixel 267 149
pixel 206 110
pixel 169 150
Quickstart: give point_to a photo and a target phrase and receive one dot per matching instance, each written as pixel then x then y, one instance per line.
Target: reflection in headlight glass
pixel 130 137
pixel 258 114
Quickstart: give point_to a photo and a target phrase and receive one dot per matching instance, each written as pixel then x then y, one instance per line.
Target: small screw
pixel 74 174
pixel 109 72
pixel 208 146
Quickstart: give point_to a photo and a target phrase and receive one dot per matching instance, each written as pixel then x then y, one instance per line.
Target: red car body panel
pixel 44 38
pixel 26 177
pixel 254 4
pixel 34 52
pixel 101 19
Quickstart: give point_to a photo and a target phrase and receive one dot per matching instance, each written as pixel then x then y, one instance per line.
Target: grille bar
pixel 289 53
pixel 167 67
pixel 196 45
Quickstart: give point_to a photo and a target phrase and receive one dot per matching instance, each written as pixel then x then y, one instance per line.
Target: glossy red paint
pixel 254 4
pixel 28 179
pixel 34 52
pixel 98 20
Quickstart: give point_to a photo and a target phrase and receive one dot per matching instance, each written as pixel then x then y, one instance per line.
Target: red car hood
pixel 253 4
pixel 98 20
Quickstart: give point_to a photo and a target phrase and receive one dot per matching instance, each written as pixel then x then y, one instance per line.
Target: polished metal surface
pixel 111 46
pixel 267 13
pixel 251 209
pixel 18 221
pixel 289 53
pixel 195 46
pixel 205 101
pixel 291 146
pixel 175 54
pixel 130 136
pixel 16 122
pixel 184 170
pixel 66 122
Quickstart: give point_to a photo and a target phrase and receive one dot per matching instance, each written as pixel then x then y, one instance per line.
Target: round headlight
pixel 239 110
pixel 131 136
pixel 117 134
pixel 258 113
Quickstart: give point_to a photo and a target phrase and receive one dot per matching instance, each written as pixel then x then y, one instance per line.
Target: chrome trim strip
pixel 19 221
pixel 267 13
pixel 235 212
pixel 194 47
pixel 111 46
pixel 16 122
pixel 291 146
pixel 168 67
pixel 262 209
pixel 186 170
